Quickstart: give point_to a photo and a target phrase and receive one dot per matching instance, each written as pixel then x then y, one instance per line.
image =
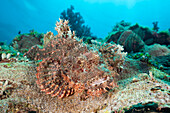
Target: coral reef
pixel 141 56
pixel 6 85
pixel 7 49
pixel 157 50
pixel 164 63
pixel 9 55
pixel 133 67
pixel 70 76
pixel 131 41
pixel 88 39
pixel 160 55
pixel 23 42
pixel 68 67
pixel 13 76
pixel 160 75
pixel 121 26
pixel 118 29
pixel 163 38
pixel 143 44
pixel 131 91
pixel 147 35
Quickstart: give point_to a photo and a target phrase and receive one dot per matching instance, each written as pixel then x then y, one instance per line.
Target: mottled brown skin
pixel 68 67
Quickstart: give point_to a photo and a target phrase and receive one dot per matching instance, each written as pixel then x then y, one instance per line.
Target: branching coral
pixel 76 22
pixel 68 67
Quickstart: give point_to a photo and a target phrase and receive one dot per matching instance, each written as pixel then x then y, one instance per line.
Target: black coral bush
pixel 76 22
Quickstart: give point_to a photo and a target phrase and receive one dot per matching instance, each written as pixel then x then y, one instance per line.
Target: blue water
pixel 100 15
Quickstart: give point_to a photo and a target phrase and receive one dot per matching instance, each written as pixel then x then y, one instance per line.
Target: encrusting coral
pixel 70 67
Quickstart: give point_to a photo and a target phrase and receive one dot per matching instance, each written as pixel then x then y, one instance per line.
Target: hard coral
pixel 68 67
pixel 23 42
pixel 131 41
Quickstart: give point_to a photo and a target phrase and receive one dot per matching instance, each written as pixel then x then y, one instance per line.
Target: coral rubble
pixel 13 76
pixel 144 91
pixel 28 97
